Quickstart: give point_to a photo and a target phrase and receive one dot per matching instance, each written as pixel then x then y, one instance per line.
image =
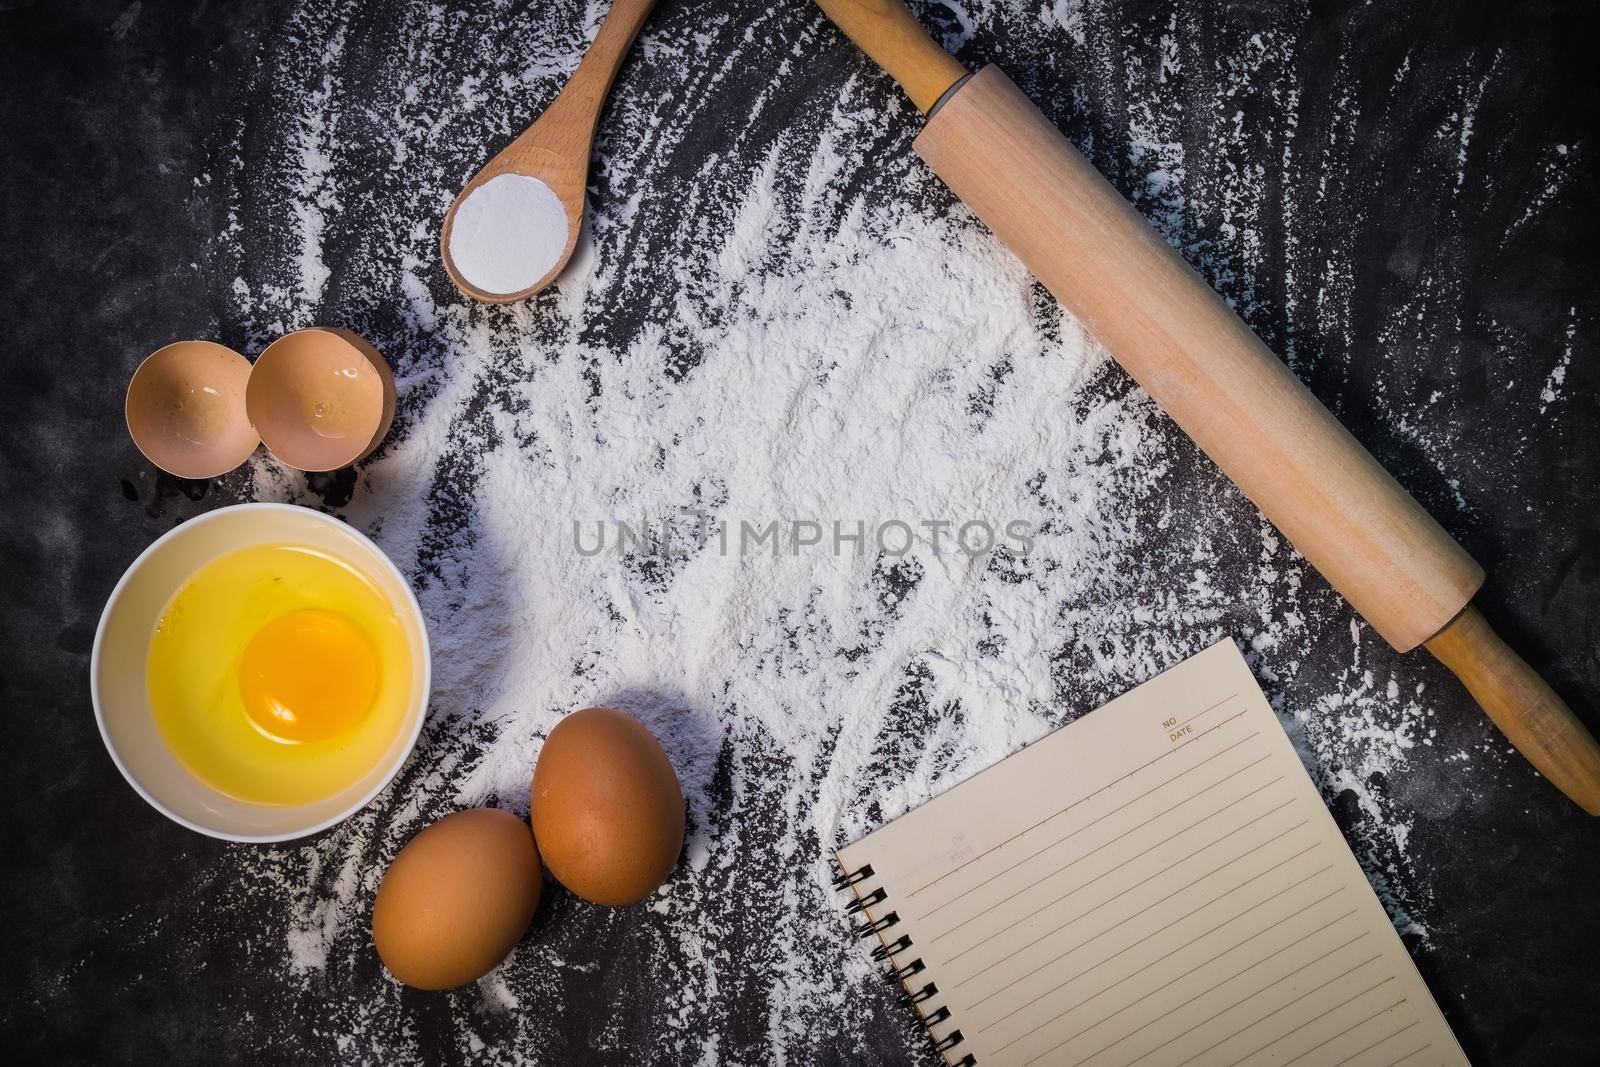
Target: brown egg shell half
pixel 186 410
pixel 457 899
pixel 607 807
pixel 321 398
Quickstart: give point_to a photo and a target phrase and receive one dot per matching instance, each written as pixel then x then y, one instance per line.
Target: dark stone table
pixel 1418 223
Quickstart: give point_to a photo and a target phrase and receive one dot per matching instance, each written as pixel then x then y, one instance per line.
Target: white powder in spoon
pixel 508 233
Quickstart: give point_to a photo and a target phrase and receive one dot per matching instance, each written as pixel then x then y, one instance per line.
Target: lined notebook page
pixel 1157 883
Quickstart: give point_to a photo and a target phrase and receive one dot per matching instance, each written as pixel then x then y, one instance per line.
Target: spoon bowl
pixel 563 181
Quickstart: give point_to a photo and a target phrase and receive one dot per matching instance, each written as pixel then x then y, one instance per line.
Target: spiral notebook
pixel 1156 884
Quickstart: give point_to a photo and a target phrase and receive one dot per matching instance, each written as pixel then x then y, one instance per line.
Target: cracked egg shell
pixel 321 398
pixel 186 409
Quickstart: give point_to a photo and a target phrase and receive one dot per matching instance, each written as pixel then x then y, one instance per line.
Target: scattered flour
pixel 793 324
pixel 1551 392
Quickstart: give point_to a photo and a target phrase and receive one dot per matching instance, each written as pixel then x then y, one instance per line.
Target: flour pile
pixel 775 315
pixel 508 233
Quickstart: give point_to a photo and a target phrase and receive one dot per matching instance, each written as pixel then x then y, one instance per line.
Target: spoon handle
pixel 574 113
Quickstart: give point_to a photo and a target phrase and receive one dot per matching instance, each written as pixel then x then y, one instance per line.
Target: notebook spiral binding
pixel 887 951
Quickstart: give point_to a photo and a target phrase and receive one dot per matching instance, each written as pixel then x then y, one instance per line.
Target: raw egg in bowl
pixel 260 672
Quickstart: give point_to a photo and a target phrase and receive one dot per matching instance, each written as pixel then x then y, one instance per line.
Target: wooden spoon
pixel 555 149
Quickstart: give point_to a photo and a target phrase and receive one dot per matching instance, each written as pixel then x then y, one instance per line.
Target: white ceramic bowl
pixel 122 647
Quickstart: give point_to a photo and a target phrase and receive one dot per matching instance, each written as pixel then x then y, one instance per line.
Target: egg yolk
pixel 307 676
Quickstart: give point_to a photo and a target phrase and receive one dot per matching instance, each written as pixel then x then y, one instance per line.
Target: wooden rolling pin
pixel 1227 390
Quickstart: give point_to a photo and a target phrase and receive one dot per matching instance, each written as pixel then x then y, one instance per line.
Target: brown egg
pixel 607 807
pixel 456 899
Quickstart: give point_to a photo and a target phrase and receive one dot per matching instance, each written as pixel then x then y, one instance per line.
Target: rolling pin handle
pixel 1522 705
pixel 888 33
